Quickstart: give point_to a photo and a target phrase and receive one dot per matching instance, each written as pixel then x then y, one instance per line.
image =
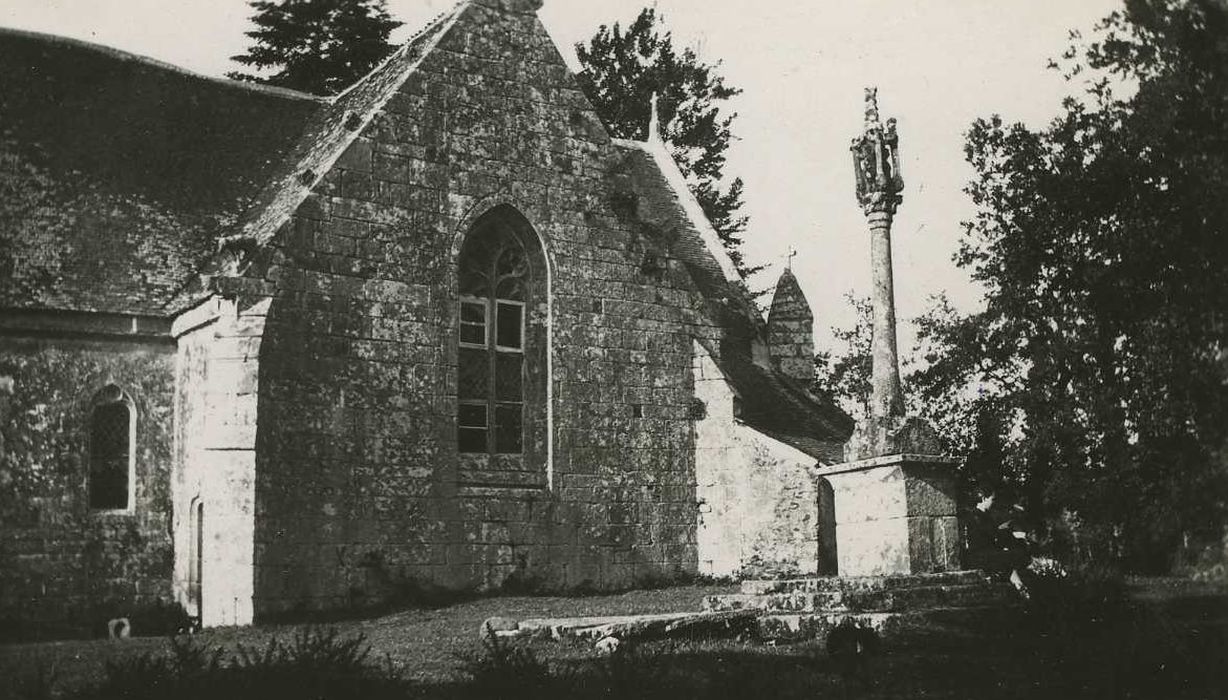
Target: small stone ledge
pixel 887 461
pixel 502 491
pixel 83 324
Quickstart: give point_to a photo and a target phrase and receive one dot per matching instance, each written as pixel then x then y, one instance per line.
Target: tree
pixel 1099 367
pixel 844 379
pixel 316 46
pixel 622 70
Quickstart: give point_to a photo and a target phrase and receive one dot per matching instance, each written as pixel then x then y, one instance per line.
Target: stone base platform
pixel 802 608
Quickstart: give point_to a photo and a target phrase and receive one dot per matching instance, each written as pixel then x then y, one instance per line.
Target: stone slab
pixel 888 460
pixel 628 626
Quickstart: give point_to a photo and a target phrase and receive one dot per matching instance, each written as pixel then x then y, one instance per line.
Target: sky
pixel 802 66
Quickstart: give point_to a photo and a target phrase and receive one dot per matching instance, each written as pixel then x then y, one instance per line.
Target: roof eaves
pixel 805 429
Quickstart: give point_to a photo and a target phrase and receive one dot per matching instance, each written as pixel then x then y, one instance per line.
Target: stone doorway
pixel 196 557
pixel 828 554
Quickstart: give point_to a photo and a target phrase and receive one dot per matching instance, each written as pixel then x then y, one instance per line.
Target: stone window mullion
pixel 492 361
pixel 498 283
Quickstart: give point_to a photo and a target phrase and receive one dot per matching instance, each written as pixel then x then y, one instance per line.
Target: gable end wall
pixel 359 495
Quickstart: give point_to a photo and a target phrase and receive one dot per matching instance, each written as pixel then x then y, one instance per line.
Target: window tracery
pixel 494 280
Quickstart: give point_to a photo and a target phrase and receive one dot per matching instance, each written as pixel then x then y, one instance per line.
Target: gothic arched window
pixel 493 285
pixel 501 352
pixel 111 450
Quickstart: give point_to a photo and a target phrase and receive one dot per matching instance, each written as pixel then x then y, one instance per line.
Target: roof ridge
pixel 128 56
pixel 428 26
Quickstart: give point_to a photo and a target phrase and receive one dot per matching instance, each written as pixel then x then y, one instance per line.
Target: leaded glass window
pixel 494 282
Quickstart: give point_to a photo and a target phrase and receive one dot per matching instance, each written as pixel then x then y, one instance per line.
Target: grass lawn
pixel 424 644
pixel 995 659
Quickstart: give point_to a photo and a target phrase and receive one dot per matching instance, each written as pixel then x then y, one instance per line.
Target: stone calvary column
pixel 895 494
pixel 876 165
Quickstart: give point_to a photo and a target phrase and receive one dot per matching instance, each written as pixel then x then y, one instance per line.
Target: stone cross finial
pixel 871 108
pixel 789 258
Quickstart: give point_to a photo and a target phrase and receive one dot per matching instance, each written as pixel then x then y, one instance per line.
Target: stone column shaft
pixel 887 397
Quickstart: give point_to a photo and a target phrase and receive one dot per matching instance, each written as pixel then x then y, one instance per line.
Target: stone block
pixel 869 494
pixel 873 547
pixel 930 490
pixel 933 543
pixel 357 157
pixel 895 515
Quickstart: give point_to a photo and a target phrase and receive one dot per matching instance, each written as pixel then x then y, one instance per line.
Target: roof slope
pixel 335 128
pixel 789 302
pixel 118 173
pixel 772 402
pixel 777 406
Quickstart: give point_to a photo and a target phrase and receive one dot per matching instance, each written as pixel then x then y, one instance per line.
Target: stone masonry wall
pixel 358 494
pixel 63 567
pixel 758 499
pixel 214 482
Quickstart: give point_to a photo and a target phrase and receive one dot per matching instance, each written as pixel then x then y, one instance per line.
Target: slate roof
pixel 118 173
pixel 121 176
pixel 336 127
pixel 130 173
pixel 789 302
pixel 772 403
pixel 777 406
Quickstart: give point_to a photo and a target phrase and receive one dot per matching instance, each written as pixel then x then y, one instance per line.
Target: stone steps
pixel 820 584
pixel 888 625
pixel 869 600
pixel 809 607
pixel 774 602
pixel 925 597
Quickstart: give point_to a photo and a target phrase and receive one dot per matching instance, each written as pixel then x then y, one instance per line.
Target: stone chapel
pixel 264 352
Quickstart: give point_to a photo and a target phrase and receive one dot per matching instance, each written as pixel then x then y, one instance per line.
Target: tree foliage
pixel 316 46
pixel 624 68
pixel 1094 385
pixel 843 377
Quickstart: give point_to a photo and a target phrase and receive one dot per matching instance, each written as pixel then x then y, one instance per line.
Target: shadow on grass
pixel 406 594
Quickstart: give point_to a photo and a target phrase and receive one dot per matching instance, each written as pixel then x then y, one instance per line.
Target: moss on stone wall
pixel 358 456
pixel 63 566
